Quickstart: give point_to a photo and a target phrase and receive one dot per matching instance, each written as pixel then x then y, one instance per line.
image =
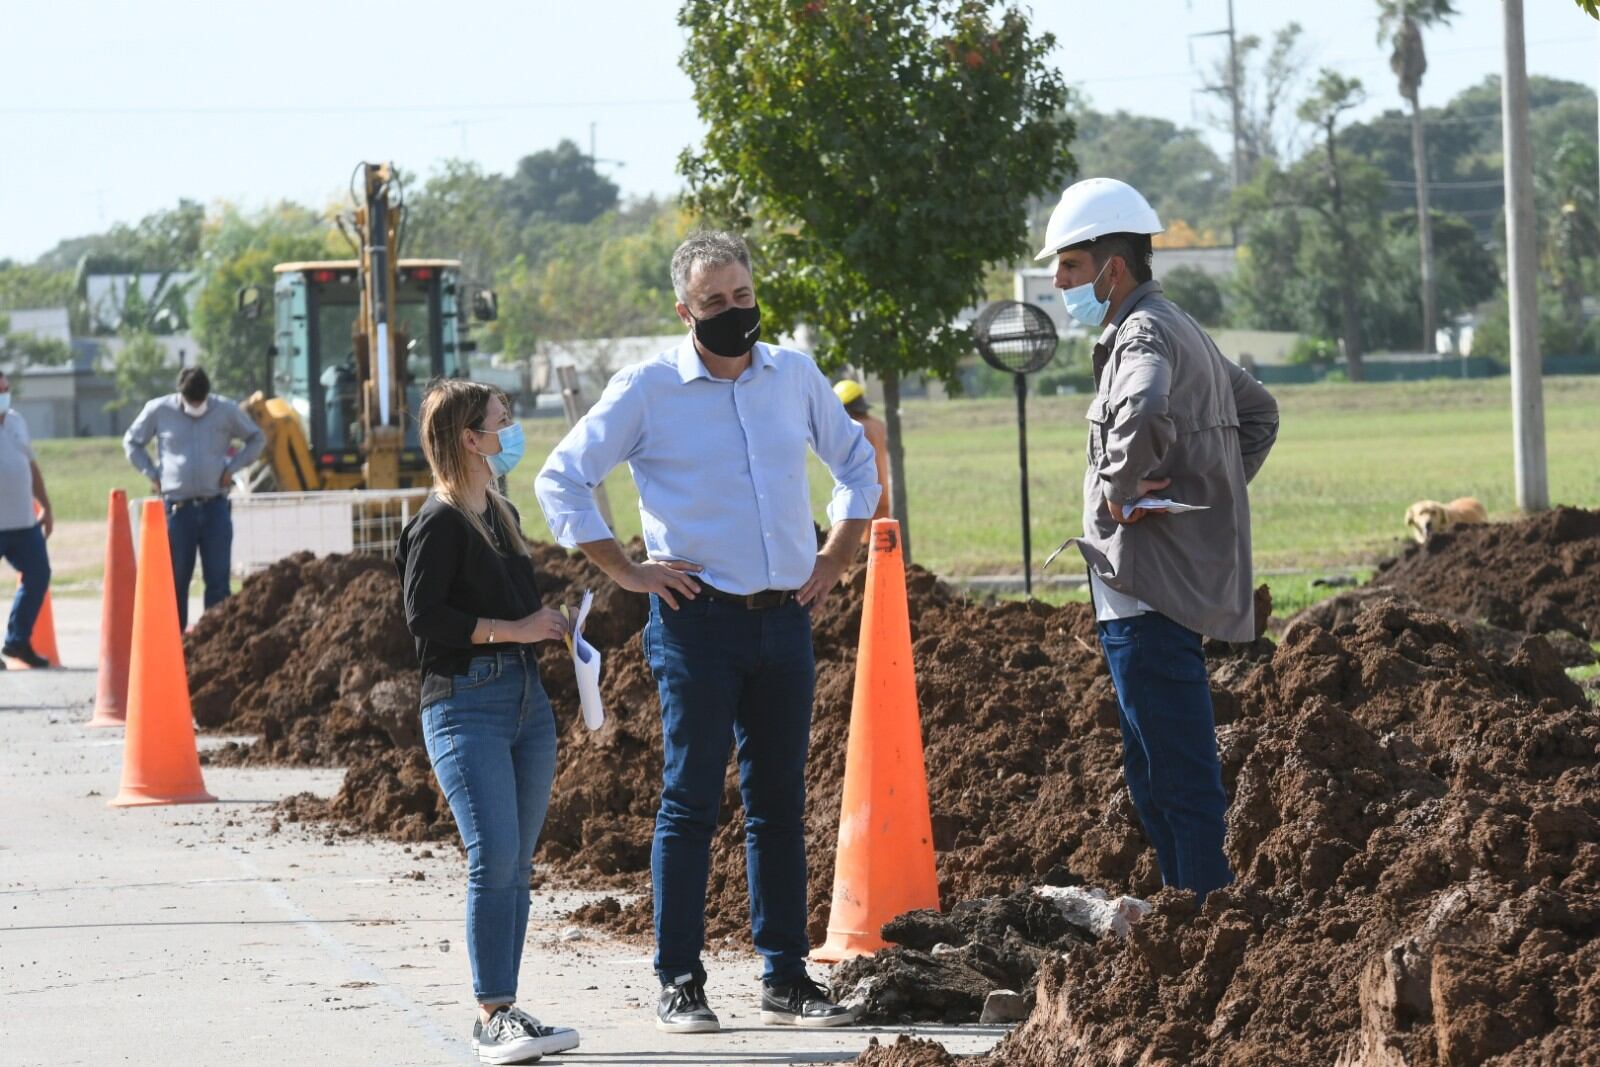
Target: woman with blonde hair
pixel 474 609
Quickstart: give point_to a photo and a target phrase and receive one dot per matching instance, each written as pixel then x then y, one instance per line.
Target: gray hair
pixel 706 248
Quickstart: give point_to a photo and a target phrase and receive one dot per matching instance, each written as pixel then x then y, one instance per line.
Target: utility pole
pixel 1234 106
pixel 1527 384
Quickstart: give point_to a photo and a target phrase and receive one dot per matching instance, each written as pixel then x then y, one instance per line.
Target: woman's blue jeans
pixel 1169 746
pixel 493 748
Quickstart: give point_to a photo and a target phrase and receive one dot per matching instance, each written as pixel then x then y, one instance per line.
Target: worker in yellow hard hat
pixel 854 399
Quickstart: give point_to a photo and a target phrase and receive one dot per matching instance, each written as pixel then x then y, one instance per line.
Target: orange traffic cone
pixel 116 616
pixel 159 762
pixel 885 858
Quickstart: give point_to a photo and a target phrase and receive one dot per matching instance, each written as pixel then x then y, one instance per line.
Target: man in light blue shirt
pixel 716 433
pixel 194 433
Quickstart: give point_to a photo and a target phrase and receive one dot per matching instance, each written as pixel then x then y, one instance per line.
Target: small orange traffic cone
pixel 885 863
pixel 44 635
pixel 116 617
pixel 160 764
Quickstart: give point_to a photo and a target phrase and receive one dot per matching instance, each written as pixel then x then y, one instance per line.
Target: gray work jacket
pixel 1169 405
pixel 193 451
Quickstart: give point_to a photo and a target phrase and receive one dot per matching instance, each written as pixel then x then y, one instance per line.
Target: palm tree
pixel 1400 23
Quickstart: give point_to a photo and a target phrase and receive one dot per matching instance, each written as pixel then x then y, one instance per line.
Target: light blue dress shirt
pixel 720 465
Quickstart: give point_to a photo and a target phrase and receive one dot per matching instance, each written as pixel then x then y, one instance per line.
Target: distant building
pixel 50 324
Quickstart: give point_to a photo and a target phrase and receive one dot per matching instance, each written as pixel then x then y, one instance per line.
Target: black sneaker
pixel 801 1003
pixel 26 654
pixel 683 1008
pixel 505 1039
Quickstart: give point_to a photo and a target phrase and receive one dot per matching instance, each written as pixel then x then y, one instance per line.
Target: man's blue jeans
pixel 25 550
pixel 731 675
pixel 1169 746
pixel 493 747
pixel 206 525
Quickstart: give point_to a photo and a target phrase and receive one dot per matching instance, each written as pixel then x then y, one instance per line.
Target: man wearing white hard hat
pixel 1171 420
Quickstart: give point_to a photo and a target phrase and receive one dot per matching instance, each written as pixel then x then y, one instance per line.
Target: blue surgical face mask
pixel 1083 305
pixel 512 444
pixel 5 403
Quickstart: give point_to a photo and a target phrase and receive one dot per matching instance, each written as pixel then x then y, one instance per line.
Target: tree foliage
pixel 888 148
pixel 140 371
pixel 558 184
pixel 240 249
pixel 1174 167
pixel 1196 292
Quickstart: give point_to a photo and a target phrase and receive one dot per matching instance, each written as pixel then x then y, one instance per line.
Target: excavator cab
pixel 318 365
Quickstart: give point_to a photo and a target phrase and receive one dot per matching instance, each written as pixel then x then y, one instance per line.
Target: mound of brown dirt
pixel 1537 575
pixel 1416 829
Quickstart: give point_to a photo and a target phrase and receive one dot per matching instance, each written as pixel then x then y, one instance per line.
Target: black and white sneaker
pixel 801 1003
pixel 683 1008
pixel 551 1038
pixel 505 1038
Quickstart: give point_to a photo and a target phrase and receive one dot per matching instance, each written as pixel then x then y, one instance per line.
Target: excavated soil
pixel 1415 813
pixel 1538 575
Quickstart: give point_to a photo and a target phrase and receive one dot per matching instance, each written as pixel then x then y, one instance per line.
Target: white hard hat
pixel 1093 208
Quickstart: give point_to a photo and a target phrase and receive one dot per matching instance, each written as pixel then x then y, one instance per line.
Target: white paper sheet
pixel 1148 503
pixel 1154 503
pixel 586 665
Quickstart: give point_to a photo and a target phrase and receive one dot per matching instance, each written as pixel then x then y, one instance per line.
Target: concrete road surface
pixel 200 934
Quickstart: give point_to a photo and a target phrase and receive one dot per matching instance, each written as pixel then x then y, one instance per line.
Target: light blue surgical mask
pixel 1083 305
pixel 5 403
pixel 512 444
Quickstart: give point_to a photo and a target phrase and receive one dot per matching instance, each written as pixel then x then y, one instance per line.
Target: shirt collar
pixel 1139 293
pixel 690 366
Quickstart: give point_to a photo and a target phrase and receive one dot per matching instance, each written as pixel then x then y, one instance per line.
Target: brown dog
pixel 1428 517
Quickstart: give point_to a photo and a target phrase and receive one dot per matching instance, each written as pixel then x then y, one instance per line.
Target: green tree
pixel 461 213
pixel 1401 22
pixel 1174 167
pixel 33 286
pixel 140 371
pixel 240 249
pixel 560 185
pixel 889 148
pixel 20 350
pixel 1267 83
pixel 166 240
pixel 1571 217
pixel 1196 292
pixel 1334 95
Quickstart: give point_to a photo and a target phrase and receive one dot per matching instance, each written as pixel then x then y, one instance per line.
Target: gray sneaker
pixel 505 1038
pixel 551 1038
pixel 683 1008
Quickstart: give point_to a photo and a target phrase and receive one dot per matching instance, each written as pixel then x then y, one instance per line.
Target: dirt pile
pixel 1537 575
pixel 1416 829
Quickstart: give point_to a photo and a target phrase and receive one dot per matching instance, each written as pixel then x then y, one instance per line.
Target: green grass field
pixel 1349 459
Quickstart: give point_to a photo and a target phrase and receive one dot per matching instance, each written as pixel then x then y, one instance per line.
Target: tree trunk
pixel 1430 288
pixel 897 459
pixel 1350 319
pixel 1349 301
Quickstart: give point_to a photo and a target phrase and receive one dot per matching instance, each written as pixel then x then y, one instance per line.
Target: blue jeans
pixel 493 747
pixel 24 549
pixel 1169 747
pixel 730 675
pixel 206 525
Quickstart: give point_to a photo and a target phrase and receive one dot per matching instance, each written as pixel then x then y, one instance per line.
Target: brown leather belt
pixel 762 601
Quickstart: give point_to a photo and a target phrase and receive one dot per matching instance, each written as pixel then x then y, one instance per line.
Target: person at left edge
pixel 22 532
pixel 716 432
pixel 193 431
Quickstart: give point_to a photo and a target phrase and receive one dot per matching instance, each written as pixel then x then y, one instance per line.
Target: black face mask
pixel 731 333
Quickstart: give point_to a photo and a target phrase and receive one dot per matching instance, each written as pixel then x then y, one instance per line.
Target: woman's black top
pixel 451 578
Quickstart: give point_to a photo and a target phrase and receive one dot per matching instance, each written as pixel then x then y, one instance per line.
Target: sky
pixel 115 110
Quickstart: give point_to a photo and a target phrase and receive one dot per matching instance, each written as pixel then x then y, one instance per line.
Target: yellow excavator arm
pixel 286 459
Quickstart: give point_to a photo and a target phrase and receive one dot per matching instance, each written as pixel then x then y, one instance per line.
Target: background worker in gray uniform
pixel 1172 417
pixel 194 433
